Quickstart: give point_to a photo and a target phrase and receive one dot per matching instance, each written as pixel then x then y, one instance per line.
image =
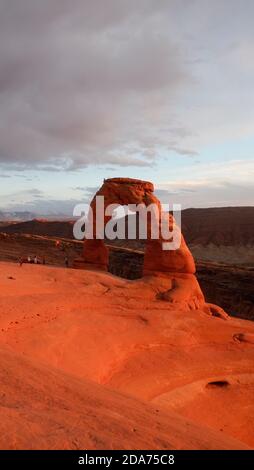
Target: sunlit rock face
pixel 113 355
pixel 176 268
pixel 127 191
pixel 122 191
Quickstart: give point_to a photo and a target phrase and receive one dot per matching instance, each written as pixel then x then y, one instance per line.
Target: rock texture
pixel 124 191
pixel 177 265
pixel 90 360
pixel 121 191
pixel 171 261
pixel 42 408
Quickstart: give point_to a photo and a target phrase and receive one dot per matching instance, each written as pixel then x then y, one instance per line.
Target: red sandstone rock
pixel 124 191
pixel 68 337
pixel 157 259
pixel 244 337
pixel 184 290
pixel 175 263
pixel 96 255
pixel 44 408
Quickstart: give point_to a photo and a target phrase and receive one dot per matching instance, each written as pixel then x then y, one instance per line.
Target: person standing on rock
pixel 66 261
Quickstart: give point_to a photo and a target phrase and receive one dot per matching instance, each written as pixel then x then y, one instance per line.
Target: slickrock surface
pixel 90 360
pixel 66 334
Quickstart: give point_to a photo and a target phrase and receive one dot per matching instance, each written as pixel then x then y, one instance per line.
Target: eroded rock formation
pixel 121 191
pixel 177 265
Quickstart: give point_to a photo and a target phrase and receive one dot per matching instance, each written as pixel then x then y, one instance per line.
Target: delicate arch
pixel 124 191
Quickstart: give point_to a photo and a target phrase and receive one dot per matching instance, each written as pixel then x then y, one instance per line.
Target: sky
pixel 160 90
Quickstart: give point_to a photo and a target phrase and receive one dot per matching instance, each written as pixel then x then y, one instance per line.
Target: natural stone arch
pixel 171 273
pixel 124 191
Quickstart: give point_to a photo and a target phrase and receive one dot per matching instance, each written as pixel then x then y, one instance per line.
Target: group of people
pixel 36 260
pixel 32 260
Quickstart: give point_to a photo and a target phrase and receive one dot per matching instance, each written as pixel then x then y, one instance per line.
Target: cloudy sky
pixel 155 89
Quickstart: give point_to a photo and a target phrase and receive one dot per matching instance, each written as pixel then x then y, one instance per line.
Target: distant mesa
pixel 214 227
pixel 43 227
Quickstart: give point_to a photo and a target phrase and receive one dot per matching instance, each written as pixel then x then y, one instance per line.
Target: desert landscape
pixel 126 232
pixel 224 255
pixel 128 360
pixel 93 361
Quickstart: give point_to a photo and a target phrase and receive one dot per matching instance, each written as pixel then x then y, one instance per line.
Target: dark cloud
pixel 85 83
